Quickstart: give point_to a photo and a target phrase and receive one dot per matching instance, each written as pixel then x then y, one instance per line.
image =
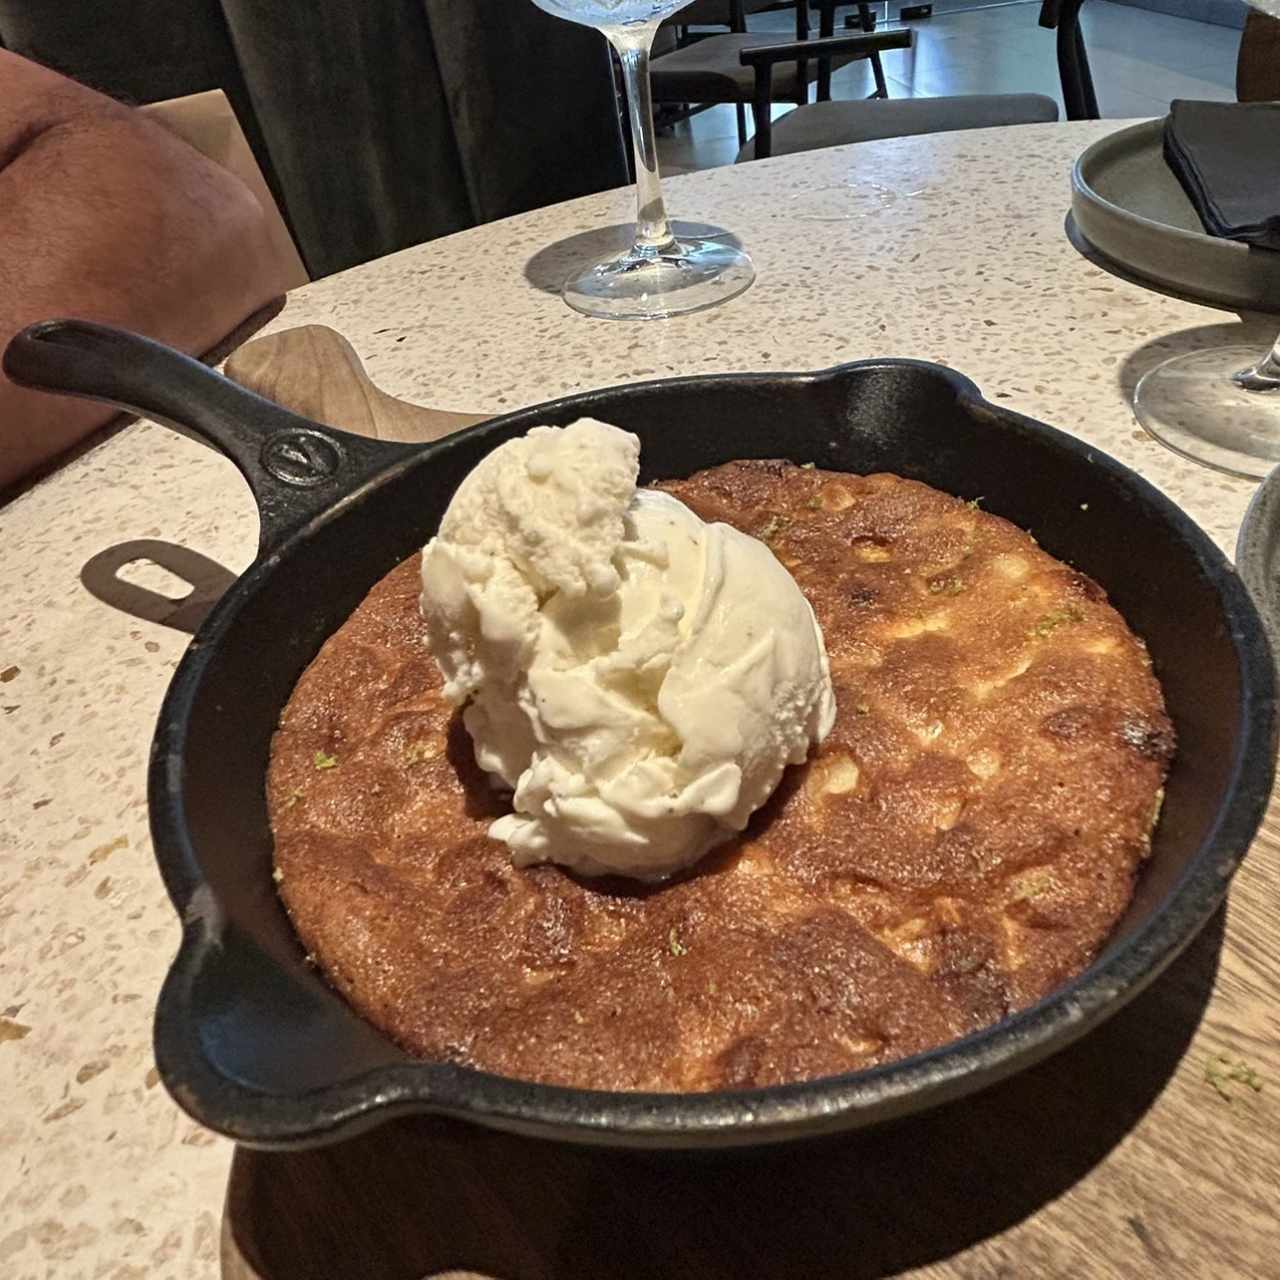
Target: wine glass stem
pixel 1263 376
pixel 653 231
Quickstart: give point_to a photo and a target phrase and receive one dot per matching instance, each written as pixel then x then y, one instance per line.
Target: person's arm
pixel 105 216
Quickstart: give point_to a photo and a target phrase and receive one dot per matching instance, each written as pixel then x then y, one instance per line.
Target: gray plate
pixel 1131 210
pixel 1258 554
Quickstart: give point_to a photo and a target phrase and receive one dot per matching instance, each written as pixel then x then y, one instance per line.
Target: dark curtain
pixel 378 123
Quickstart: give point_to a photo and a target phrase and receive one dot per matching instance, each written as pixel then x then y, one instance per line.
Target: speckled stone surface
pixel 948 248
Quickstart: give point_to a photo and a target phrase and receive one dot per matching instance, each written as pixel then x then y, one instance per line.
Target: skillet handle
pixel 296 468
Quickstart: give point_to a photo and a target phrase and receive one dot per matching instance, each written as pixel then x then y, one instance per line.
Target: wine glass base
pixel 692 273
pixel 1191 405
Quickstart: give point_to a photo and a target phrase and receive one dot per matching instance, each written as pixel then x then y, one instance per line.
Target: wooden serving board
pixel 1151 1148
pixel 315 371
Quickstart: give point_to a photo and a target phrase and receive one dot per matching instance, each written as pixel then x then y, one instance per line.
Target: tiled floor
pixel 1140 60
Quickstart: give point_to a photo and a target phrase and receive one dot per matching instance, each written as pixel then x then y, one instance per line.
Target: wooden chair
pixel 731 14
pixel 1078 95
pixel 677 31
pixel 755 69
pixel 833 124
pixel 1258 63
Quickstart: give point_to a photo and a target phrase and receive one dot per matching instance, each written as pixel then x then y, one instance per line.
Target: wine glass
pixel 662 274
pixel 1219 406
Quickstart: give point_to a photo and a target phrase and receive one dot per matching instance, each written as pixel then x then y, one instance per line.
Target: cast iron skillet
pixel 253 1043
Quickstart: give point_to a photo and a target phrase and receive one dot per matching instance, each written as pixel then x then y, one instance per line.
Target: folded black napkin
pixel 1227 157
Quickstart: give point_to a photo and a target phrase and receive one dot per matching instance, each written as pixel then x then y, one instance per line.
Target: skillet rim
pixel 720 1119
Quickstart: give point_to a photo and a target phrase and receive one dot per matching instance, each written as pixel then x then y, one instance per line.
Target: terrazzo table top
pixel 947 248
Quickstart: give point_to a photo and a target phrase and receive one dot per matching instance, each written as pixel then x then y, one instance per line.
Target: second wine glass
pixel 1219 406
pixel 662 274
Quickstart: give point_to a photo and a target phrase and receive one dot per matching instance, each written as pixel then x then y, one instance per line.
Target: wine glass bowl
pixel 663 273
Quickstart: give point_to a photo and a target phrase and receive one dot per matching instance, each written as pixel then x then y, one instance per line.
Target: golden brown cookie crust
pixel 964 841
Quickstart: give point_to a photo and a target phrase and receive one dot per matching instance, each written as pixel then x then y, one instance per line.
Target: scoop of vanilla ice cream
pixel 639 677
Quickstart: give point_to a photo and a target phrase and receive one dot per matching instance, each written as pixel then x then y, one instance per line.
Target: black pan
pixel 253 1043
